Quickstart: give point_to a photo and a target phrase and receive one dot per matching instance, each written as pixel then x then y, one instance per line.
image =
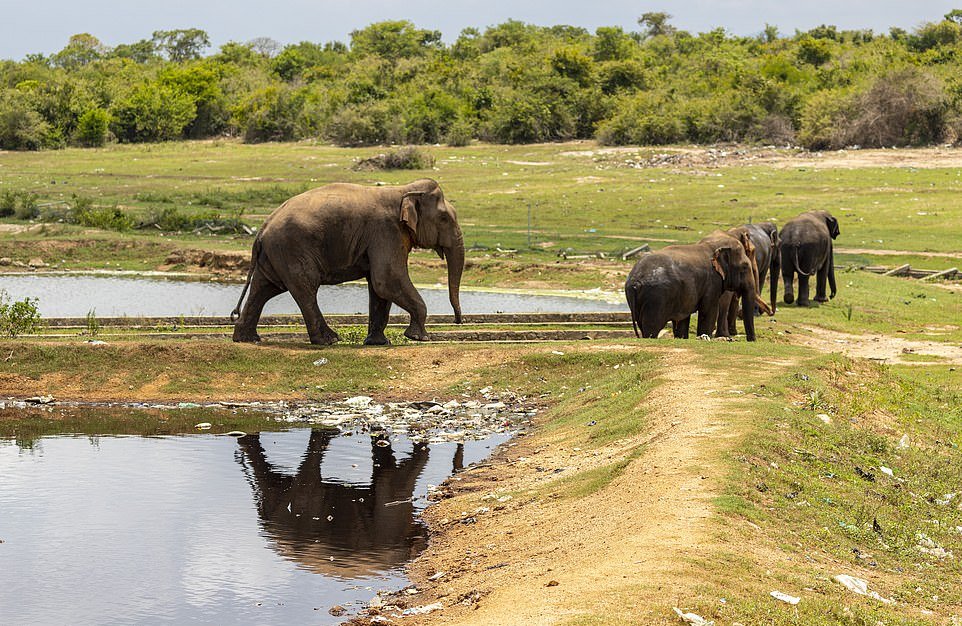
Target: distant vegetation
pixel 511 83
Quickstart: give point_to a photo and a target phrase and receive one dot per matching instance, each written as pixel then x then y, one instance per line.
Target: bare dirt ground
pixel 622 552
pixel 875 252
pixel 878 347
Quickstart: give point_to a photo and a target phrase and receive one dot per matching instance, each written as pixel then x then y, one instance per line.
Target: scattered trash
pixel 704 337
pixel 39 400
pixel 927 545
pixel 784 597
pixel 96 342
pixel 557 352
pixel 825 417
pixel 203 425
pixel 188 405
pixel 436 576
pixel 859 586
pixel 904 442
pixel 321 361
pixel 422 610
pixel 359 402
pixel 692 618
pixel 886 470
pixel 236 433
pixel 946 499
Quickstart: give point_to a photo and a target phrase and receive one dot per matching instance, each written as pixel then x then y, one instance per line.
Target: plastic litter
pixel 692 618
pixel 236 433
pixel 359 402
pixel 825 417
pixel 784 597
pixel 203 425
pixel 422 610
pixel 885 470
pixel 321 361
pixel 904 442
pixel 859 586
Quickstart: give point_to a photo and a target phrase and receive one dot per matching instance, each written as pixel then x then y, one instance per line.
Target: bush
pixel 459 134
pixel 170 219
pixel 107 218
pixel 642 120
pixel 19 204
pixel 152 112
pixel 824 120
pixel 18 318
pixel 903 107
pixel 406 158
pixel 21 127
pixel 92 128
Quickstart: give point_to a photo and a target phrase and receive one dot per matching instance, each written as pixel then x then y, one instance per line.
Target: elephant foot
pixel 246 337
pixel 789 297
pixel 821 300
pixel 326 339
pixel 416 335
pixel 377 340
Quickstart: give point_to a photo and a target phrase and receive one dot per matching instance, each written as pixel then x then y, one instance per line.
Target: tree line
pixel 514 82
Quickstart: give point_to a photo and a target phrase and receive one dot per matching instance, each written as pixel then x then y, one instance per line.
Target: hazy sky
pixel 46 25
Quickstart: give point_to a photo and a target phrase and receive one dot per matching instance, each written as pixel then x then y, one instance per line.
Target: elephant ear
pixel 409 211
pixel 720 261
pixel 832 224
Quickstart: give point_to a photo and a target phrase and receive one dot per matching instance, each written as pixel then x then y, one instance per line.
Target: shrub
pixel 19 204
pixel 84 213
pixel 170 219
pixel 406 158
pixel 903 107
pixel 460 133
pixel 643 120
pixel 92 128
pixel 152 112
pixel 18 318
pixel 824 120
pixel 21 127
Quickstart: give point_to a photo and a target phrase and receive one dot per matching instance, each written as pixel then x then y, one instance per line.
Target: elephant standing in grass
pixel 677 281
pixel 806 250
pixel 344 232
pixel 763 238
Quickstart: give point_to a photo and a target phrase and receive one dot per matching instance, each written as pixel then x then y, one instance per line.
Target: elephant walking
pixel 763 238
pixel 677 281
pixel 344 232
pixel 806 250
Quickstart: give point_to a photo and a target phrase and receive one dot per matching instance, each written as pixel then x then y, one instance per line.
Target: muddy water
pixel 75 296
pixel 269 528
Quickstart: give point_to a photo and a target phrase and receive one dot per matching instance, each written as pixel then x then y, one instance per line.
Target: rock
pixel 39 400
pixel 359 402
pixel 904 443
pixel 552 583
pixel 6 261
pixel 825 417
pixel 337 610
pixel 36 263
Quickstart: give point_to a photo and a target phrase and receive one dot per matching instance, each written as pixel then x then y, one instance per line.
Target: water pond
pixel 271 527
pixel 110 296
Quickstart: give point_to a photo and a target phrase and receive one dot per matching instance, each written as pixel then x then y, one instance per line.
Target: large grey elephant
pixel 763 238
pixel 806 247
pixel 343 232
pixel 677 281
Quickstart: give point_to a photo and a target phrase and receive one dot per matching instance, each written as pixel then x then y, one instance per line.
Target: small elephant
pixel 764 241
pixel 677 281
pixel 806 249
pixel 343 232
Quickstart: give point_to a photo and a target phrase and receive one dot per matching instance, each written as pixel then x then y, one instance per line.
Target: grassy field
pixel 538 199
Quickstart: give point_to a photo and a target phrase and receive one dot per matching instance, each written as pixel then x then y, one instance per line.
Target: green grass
pixel 576 199
pixel 820 499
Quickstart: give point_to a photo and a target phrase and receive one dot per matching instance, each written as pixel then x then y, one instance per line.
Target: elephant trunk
pixel 455 258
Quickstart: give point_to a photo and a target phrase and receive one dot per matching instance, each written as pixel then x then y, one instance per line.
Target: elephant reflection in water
pixel 366 529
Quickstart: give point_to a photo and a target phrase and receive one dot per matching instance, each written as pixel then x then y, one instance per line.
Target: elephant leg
pixel 317 329
pixel 261 290
pixel 725 320
pixel 831 272
pixel 651 326
pixel 396 286
pixel 820 280
pixel 803 290
pixel 707 316
pixel 680 328
pixel 378 313
pixel 732 316
pixel 788 277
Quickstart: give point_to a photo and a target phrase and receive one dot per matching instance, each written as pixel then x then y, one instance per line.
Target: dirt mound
pixel 228 262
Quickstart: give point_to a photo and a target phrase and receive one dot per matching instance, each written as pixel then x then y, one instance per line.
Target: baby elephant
pixel 678 281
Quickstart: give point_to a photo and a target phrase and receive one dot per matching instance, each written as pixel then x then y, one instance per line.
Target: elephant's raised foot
pixel 821 300
pixel 377 340
pixel 417 335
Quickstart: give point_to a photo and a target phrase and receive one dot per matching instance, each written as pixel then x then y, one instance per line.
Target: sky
pixel 44 26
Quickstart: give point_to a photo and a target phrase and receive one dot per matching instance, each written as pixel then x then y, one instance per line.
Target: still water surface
pixel 109 296
pixel 269 528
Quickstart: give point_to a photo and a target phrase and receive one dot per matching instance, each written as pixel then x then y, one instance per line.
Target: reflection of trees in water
pixel 371 527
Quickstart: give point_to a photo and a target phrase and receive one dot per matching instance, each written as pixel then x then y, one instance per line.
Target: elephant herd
pixel 711 276
pixel 342 232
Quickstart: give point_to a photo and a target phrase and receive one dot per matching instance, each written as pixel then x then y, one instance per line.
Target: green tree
pixel 152 112
pixel 612 44
pixel 21 127
pixel 181 45
pixel 656 23
pixel 394 40
pixel 92 128
pixel 81 50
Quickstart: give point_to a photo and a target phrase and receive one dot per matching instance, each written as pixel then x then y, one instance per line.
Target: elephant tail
pixel 798 266
pixel 255 252
pixel 631 307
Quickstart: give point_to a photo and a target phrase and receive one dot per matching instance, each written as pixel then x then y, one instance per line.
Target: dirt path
pixel 621 552
pixel 876 252
pixel 879 347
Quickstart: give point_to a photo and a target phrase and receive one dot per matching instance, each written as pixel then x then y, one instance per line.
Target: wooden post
pixel 901 269
pixel 945 273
